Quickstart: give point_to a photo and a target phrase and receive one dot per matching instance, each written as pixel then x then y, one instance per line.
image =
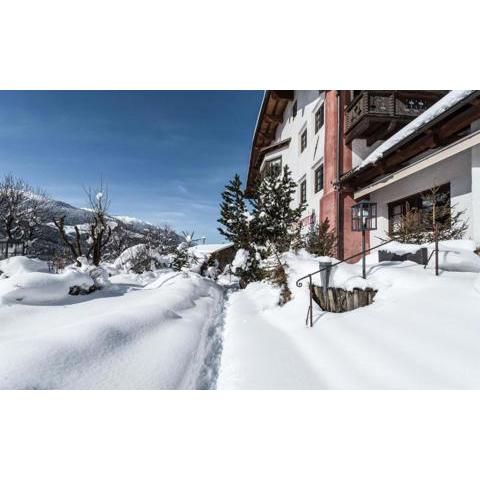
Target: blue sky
pixel 166 155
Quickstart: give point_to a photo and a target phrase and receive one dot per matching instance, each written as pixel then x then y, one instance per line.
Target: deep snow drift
pixel 166 329
pixel 422 331
pixel 142 331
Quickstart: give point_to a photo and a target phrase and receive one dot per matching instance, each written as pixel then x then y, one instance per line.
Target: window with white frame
pixel 318 178
pixel 303 140
pixel 272 165
pixel 319 117
pixel 303 191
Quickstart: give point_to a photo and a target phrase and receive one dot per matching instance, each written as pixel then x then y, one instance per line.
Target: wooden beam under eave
pixel 460 121
pixel 285 94
pixel 273 118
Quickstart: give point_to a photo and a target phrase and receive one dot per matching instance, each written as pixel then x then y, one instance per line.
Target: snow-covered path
pixel 258 355
pixel 156 337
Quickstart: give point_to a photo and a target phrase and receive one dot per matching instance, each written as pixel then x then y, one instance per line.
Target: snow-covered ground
pixel 156 330
pixel 168 330
pixel 422 331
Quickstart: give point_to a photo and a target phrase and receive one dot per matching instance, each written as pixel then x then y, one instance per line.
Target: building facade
pixel 387 146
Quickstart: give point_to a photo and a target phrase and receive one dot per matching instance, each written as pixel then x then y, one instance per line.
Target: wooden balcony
pixel 377 114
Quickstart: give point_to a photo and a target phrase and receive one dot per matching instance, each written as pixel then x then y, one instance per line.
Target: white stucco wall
pixel 360 150
pixel 456 170
pixel 302 164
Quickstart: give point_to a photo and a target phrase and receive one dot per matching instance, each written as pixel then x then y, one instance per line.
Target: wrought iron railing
pixel 309 318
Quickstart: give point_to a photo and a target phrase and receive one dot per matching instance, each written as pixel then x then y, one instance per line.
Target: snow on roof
pixel 444 104
pixel 210 248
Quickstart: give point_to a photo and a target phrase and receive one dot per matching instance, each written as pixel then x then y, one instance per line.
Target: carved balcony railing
pixel 377 114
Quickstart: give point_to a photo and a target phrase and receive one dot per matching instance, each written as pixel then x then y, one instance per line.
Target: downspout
pixel 339 223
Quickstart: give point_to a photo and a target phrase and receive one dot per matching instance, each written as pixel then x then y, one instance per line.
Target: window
pixel 273 165
pixel 303 192
pixel 318 179
pixel 303 141
pixel 294 109
pixel 319 118
pixel 418 202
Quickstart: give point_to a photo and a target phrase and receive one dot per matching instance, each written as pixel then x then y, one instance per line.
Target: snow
pixel 160 336
pixel 476 284
pixel 15 265
pixel 166 329
pixel 444 104
pixel 401 248
pixel 210 248
pixel 132 221
pixel 422 331
pixel 240 260
pixel 126 259
pixel 39 288
pixel 203 251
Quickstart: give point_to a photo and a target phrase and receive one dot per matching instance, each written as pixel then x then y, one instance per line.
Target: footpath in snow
pixel 422 331
pixel 156 334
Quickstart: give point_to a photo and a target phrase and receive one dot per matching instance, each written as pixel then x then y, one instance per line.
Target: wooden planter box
pixel 338 300
pixel 420 256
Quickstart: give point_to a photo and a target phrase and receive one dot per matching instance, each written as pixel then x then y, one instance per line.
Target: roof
pixel 441 110
pixel 208 249
pixel 269 117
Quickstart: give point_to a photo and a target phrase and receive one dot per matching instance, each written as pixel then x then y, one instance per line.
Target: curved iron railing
pixel 309 319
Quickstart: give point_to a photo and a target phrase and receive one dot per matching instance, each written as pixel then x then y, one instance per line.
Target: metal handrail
pixel 299 281
pixel 309 319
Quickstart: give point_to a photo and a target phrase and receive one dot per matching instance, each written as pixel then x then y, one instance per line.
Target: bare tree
pixel 100 226
pixel 436 220
pixel 120 240
pixel 21 208
pixel 99 229
pixel 75 245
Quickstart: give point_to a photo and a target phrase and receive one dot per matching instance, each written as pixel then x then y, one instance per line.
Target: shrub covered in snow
pixel 141 258
pixel 15 265
pixel 322 240
pixel 37 288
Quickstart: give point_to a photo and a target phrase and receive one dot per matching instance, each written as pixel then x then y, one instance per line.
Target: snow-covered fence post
pixel 325 269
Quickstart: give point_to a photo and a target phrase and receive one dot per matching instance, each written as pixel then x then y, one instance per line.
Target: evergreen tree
pixel 274 221
pixel 234 214
pixel 322 240
pixel 180 257
pixel 250 267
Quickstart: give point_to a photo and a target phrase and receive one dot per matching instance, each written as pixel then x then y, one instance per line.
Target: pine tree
pixel 252 268
pixel 183 256
pixel 322 240
pixel 180 257
pixel 274 221
pixel 234 214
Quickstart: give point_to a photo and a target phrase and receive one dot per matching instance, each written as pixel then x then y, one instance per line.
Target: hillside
pixel 131 230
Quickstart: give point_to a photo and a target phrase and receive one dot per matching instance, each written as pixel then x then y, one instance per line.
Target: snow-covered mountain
pixel 48 241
